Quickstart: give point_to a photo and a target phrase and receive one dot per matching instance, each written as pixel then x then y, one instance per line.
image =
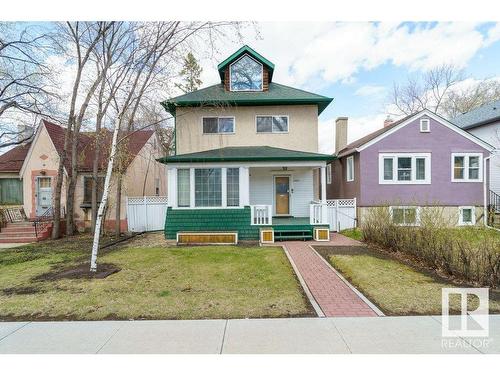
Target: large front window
pixel 208 187
pixel 246 75
pixel 405 169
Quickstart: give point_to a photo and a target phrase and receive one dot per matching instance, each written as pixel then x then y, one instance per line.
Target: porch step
pixel 292 234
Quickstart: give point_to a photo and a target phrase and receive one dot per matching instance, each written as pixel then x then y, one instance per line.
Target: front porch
pixel 224 190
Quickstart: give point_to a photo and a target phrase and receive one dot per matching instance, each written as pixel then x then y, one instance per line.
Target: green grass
pixel 354 233
pixel 394 287
pixel 154 283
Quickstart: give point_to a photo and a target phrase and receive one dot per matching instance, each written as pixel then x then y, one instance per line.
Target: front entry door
pixel 282 195
pixel 43 194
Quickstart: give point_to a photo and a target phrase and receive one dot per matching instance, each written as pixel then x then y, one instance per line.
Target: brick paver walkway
pixel 331 293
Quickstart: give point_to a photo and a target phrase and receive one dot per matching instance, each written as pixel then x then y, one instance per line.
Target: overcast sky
pixel 357 63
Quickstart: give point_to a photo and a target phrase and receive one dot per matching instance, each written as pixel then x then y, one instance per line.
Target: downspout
pixel 485 190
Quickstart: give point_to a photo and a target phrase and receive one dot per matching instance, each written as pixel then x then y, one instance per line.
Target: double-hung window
pixel 405 168
pixel 216 125
pixel 403 215
pixel 272 124
pixel 466 167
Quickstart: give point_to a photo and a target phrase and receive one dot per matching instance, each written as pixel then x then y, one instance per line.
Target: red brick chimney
pixel 388 121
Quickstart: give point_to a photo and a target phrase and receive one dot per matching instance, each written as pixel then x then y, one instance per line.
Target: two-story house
pixel 420 161
pixel 246 164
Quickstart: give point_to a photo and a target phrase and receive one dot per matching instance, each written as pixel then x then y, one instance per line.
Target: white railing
pixel 318 213
pixel 261 214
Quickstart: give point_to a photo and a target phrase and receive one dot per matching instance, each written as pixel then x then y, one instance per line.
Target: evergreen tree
pixel 190 73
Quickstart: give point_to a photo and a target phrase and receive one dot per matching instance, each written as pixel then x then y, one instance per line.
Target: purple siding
pixel 440 142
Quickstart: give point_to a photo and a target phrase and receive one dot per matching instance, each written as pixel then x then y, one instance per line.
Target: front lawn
pixel 153 283
pixel 396 288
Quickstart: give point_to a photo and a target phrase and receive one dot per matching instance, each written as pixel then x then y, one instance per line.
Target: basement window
pixel 466 216
pixel 405 215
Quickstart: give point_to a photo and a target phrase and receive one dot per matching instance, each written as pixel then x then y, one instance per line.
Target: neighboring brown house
pixel 32 169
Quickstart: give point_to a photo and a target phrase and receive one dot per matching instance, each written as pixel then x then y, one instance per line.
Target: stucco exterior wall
pixel 491 134
pixel 302 128
pixel 441 142
pixel 42 159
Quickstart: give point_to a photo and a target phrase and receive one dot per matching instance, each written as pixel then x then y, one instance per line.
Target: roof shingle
pixel 479 116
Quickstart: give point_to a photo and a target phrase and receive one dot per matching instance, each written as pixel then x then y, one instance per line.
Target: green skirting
pixel 207 220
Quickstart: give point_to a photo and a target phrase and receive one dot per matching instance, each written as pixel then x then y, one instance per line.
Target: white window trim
pixel 428 173
pixel 349 158
pixel 261 74
pixel 466 156
pixel 218 132
pixel 473 215
pixel 192 198
pixel 273 132
pixel 417 218
pixel 427 122
pixel 328 174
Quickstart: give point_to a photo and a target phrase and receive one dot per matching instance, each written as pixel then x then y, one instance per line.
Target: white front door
pixel 43 195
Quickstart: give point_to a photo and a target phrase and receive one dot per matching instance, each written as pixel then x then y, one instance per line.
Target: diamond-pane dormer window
pixel 246 75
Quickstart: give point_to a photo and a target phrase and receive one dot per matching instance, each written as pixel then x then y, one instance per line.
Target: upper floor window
pixel 350 168
pixel 214 125
pixel 272 124
pixel 246 75
pixel 405 168
pixel 87 188
pixel 466 167
pixel 425 125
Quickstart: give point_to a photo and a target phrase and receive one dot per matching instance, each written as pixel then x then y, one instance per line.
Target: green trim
pixel 251 153
pixel 216 95
pixel 245 50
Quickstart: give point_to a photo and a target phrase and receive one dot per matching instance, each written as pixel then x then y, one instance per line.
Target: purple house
pixel 419 161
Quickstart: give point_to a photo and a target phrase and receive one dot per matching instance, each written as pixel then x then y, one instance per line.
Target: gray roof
pixel 480 116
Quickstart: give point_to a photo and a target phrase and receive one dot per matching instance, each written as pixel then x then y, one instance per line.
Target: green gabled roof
pixel 216 95
pixel 249 51
pixel 246 153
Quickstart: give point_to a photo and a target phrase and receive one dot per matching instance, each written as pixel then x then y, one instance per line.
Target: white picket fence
pixel 145 214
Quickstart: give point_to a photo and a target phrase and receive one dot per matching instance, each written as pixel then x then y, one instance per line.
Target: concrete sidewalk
pixel 295 335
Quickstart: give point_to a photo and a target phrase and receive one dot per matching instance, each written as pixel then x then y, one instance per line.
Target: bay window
pixel 466 167
pixel 183 187
pixel 405 168
pixel 233 187
pixel 208 187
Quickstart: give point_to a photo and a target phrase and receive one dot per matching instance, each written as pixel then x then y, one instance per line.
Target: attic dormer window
pixel 246 75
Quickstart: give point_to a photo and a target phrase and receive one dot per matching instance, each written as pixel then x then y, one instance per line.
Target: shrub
pixel 471 253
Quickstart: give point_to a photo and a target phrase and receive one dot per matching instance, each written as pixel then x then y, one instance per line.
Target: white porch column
pixel 244 186
pixel 191 188
pixel 172 187
pixel 224 187
pixel 323 184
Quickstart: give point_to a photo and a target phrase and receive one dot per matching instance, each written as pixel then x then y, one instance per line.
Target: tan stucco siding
pixel 42 157
pixel 302 126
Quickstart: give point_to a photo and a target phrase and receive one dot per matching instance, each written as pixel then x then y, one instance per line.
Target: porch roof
pixel 246 153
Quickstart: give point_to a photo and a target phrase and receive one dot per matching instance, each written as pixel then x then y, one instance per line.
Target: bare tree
pixel 427 91
pixel 160 44
pixel 26 82
pixel 473 95
pixel 79 38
